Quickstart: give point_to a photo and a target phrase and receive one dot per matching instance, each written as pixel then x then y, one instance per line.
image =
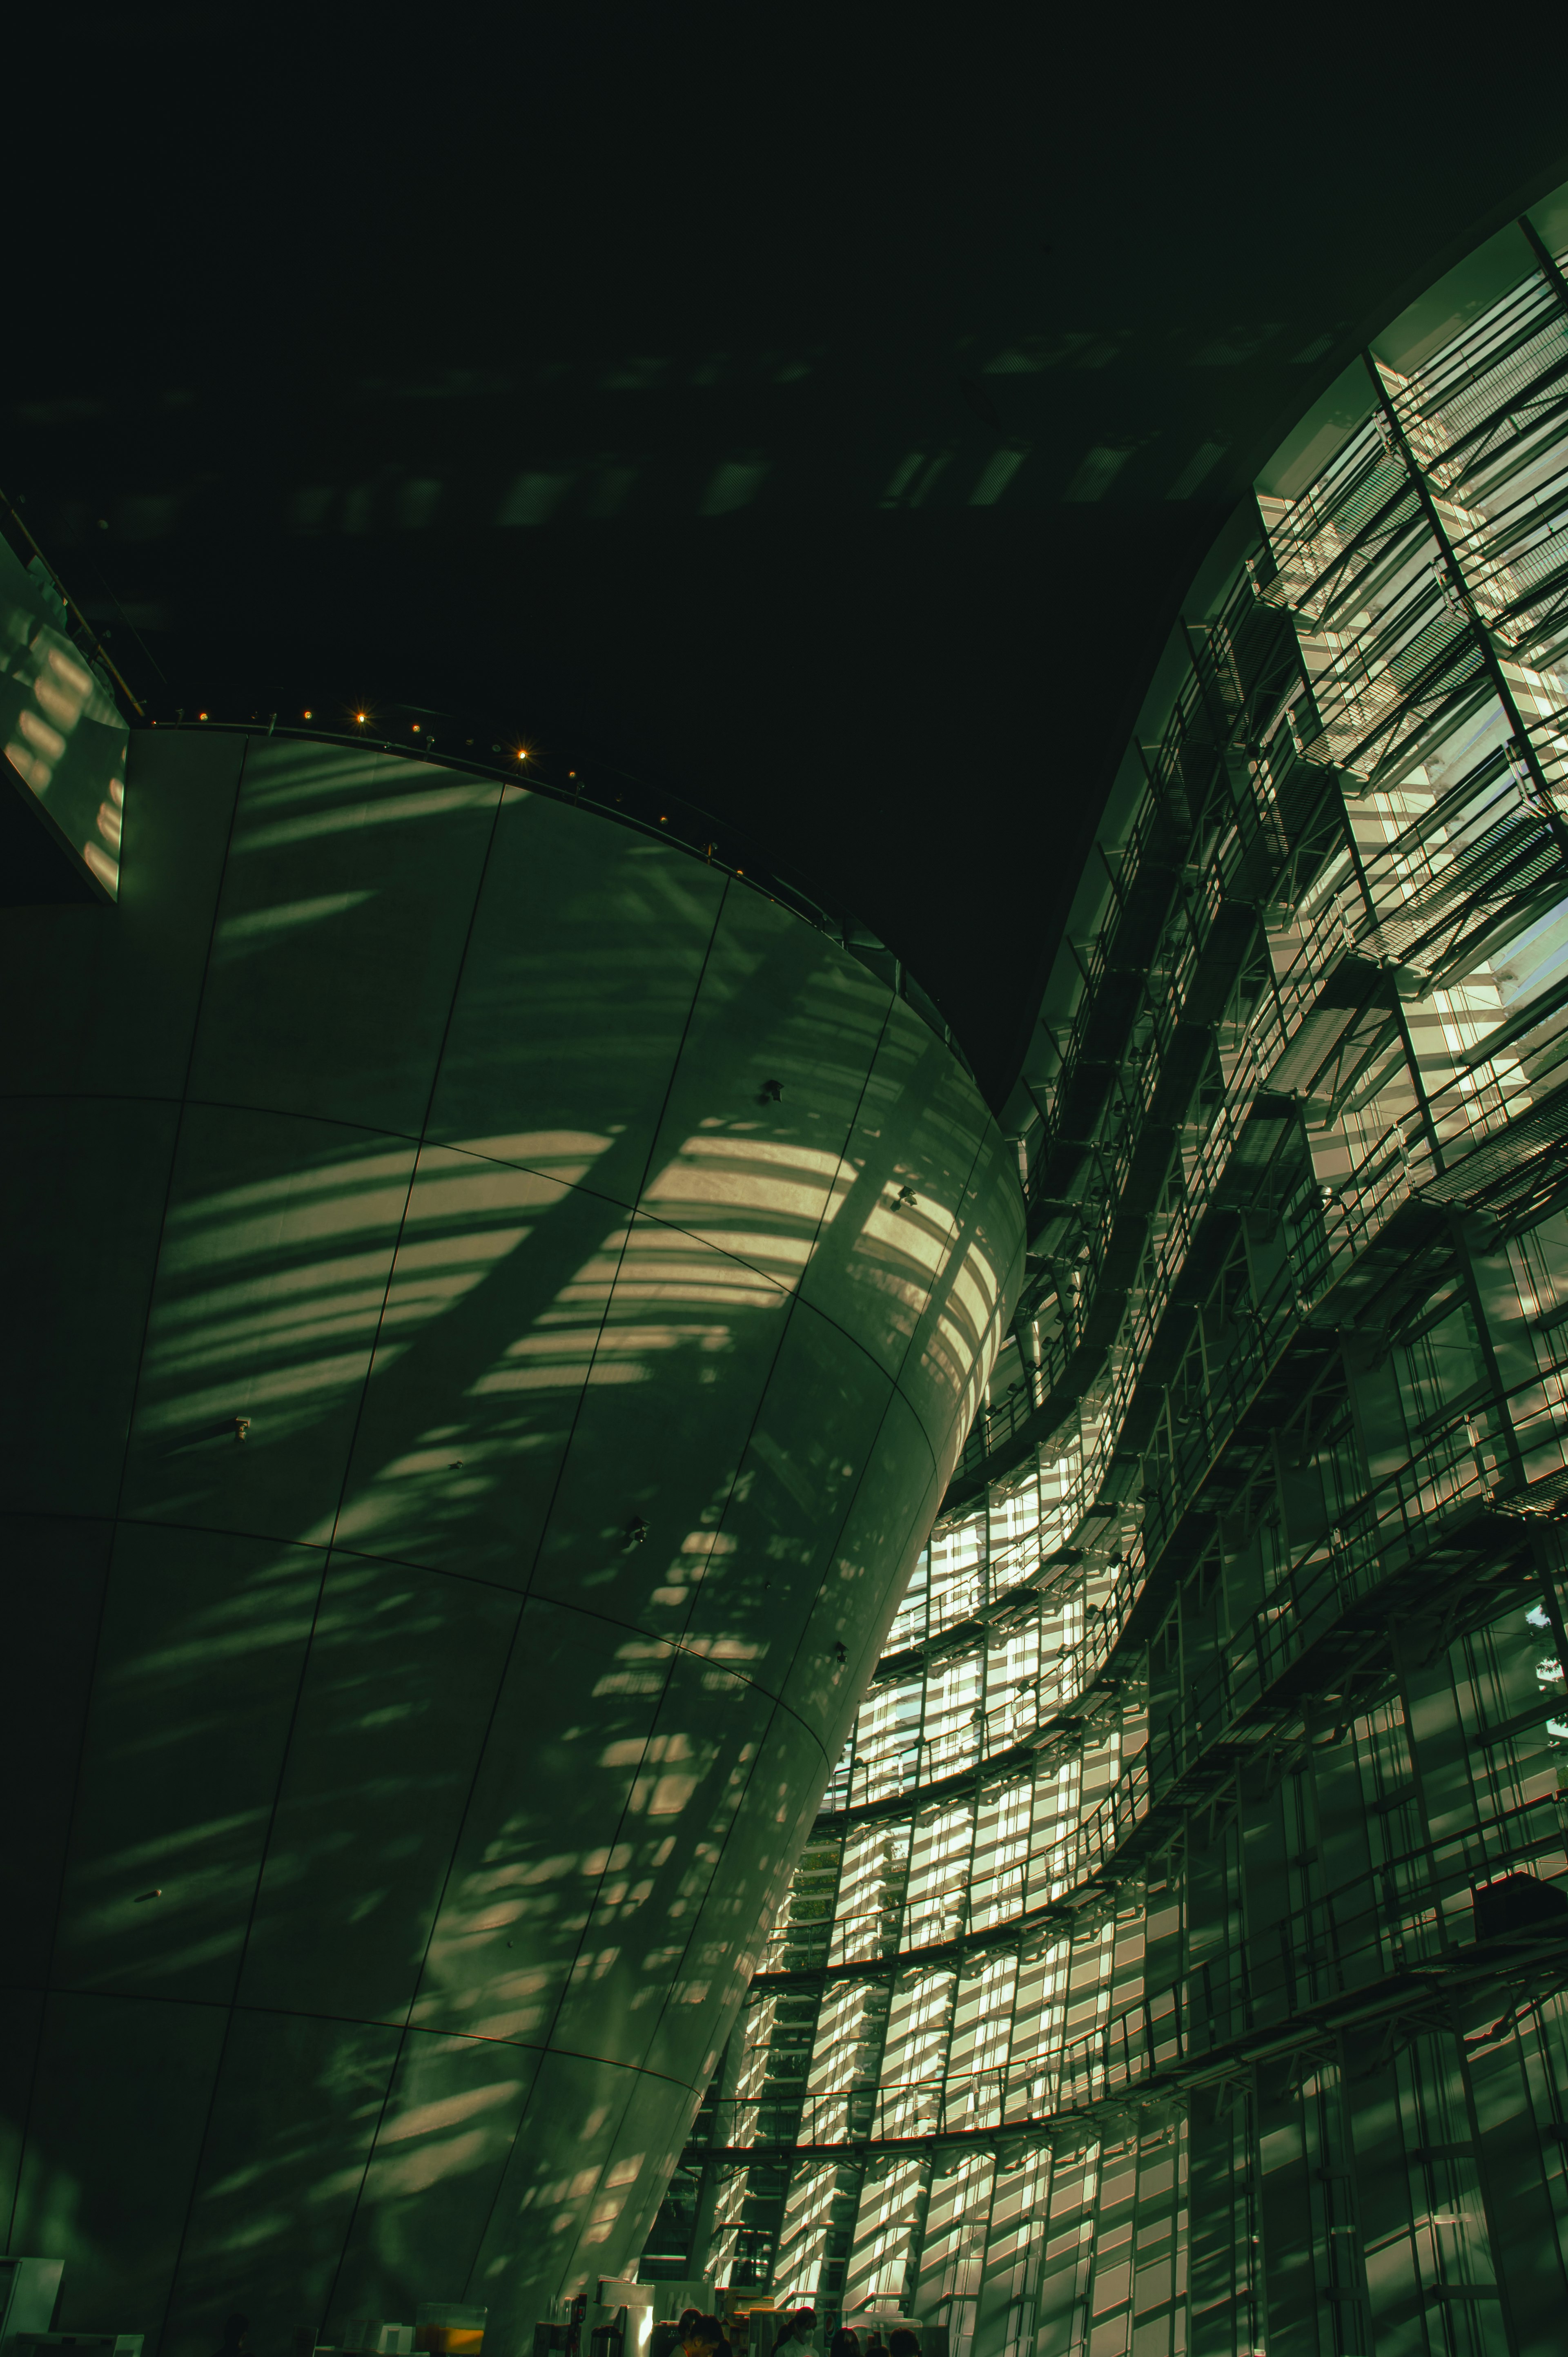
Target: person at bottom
pixel 799 2336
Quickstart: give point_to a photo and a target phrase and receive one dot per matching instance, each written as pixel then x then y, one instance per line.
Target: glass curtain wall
pixel 1179 1958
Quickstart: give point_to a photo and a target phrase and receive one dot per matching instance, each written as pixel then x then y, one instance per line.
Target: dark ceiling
pixel 820 424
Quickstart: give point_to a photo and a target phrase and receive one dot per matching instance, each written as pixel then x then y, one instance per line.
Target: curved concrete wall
pixel 397 1793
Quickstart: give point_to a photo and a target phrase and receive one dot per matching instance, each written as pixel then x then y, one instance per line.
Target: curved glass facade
pixel 501 1299
pixel 1177 1960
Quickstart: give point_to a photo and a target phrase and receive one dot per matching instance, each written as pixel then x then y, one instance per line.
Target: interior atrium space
pixel 1176 1960
pixel 784 1450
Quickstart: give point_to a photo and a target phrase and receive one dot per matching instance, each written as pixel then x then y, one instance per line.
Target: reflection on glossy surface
pixel 60 730
pixel 607 1265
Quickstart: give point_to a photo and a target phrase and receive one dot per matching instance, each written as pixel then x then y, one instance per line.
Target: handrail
pixel 1066 1864
pixel 1367 1530
pixel 1405 1915
pixel 1078 1666
pixel 1389 1529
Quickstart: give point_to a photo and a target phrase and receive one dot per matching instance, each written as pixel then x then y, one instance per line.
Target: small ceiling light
pixel 416 727
pixel 359 716
pixel 201 716
pixel 522 753
pixel 307 715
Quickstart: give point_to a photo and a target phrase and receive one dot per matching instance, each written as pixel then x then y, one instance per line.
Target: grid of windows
pixel 1178 1957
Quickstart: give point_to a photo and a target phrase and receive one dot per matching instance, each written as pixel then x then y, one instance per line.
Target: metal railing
pixel 1486 1455
pixel 1408 1911
pixel 1478 1456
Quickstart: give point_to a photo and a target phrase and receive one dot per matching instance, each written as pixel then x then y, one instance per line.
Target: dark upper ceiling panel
pixel 826 433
